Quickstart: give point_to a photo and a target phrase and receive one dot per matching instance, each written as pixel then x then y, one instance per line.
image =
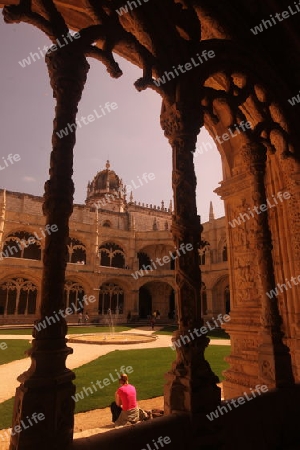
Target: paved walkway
pixel 82 354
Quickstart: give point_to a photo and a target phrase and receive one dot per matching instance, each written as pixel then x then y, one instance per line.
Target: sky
pixel 129 136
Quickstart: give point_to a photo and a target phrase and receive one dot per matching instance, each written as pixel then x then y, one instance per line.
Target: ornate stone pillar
pixel 274 360
pixel 191 384
pixel 46 388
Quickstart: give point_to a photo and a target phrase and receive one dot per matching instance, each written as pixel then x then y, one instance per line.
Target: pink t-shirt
pixel 127 394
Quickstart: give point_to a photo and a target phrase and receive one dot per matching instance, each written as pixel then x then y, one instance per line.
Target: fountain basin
pixel 111 338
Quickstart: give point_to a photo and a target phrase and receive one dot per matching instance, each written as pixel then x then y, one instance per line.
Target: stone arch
pixel 143 259
pixel 190 25
pixel 111 299
pixel 21 244
pixel 153 296
pixel 145 303
pixel 107 224
pixel 222 249
pixel 73 295
pixel 18 296
pixel 153 252
pixel 252 161
pixel 112 255
pixel 76 251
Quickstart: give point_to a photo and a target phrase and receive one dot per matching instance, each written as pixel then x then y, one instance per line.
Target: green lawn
pixel 217 333
pixel 6 411
pixel 71 330
pixel 15 350
pixel 149 367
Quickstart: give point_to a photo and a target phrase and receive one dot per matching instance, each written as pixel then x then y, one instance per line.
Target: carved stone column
pixel 275 369
pixel 46 388
pixel 191 384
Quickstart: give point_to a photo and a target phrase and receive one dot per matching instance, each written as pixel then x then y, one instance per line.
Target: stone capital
pixel 182 122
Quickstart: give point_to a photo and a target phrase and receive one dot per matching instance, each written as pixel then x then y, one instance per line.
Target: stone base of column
pixel 191 384
pixel 192 388
pixel 274 362
pixel 43 416
pixel 244 330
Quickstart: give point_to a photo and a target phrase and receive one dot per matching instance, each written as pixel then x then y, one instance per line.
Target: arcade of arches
pixel 96 263
pixel 248 80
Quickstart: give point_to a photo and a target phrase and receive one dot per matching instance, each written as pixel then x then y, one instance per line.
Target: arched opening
pixel 22 244
pixel 111 299
pixel 107 224
pixel 144 260
pixel 145 303
pixel 18 296
pixel 156 296
pixel 77 251
pixel 112 255
pixel 74 293
pixel 251 243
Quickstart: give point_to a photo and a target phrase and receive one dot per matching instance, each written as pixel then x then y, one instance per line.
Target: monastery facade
pixel 119 251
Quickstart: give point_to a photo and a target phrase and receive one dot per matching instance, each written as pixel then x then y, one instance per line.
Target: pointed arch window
pixel 111 299
pixel 73 295
pixel 22 244
pixel 203 248
pixel 112 255
pixel 107 224
pixel 144 259
pixel 77 251
pixel 18 296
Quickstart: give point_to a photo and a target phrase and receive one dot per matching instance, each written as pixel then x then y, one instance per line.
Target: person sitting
pixel 125 397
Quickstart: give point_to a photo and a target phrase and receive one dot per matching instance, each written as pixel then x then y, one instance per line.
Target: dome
pixel 105 182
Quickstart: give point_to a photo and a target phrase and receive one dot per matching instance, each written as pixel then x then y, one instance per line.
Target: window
pixel 73 294
pixel 22 244
pixel 107 224
pixel 111 299
pixel 111 255
pixel 77 251
pixel 144 260
pixel 18 296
